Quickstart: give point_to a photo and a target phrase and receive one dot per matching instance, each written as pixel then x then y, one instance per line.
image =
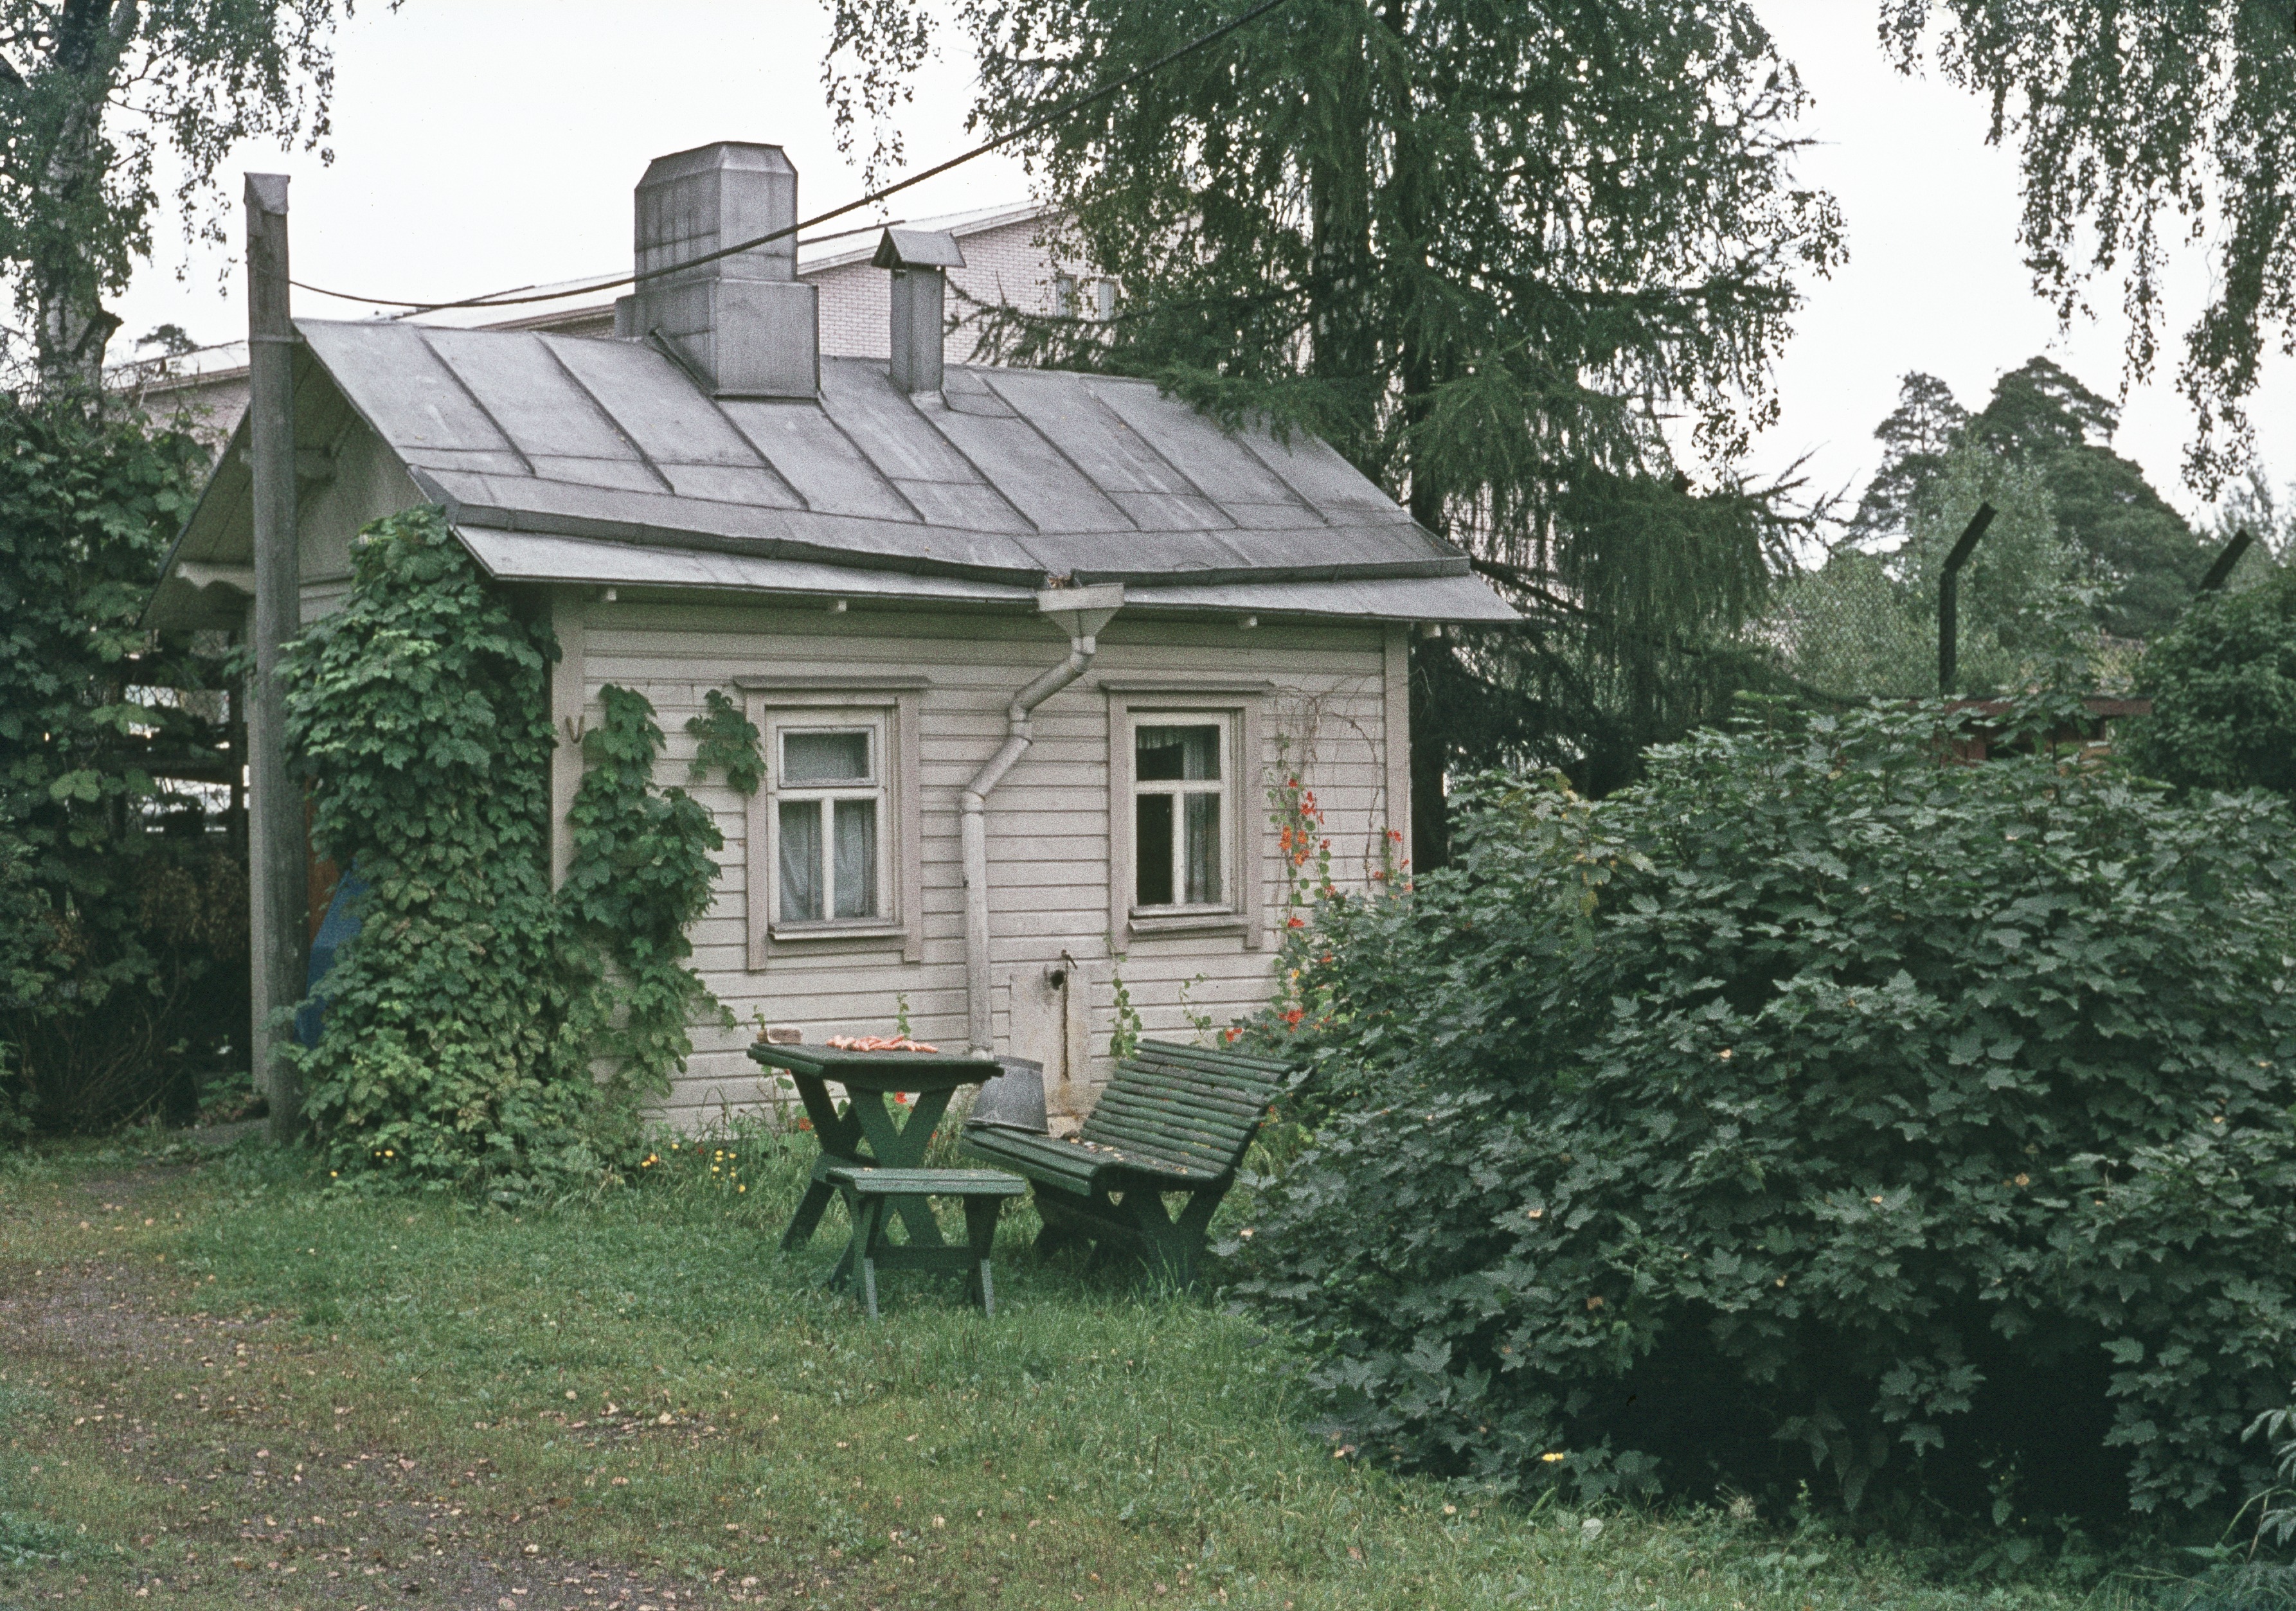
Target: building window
pixel 1179 815
pixel 828 807
pixel 1064 295
pixel 1103 299
pixel 1184 768
pixel 835 836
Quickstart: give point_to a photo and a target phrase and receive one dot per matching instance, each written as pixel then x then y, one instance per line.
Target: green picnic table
pixel 867 1135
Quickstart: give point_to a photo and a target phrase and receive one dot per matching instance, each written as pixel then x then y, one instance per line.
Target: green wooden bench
pixel 877 1195
pixel 1175 1121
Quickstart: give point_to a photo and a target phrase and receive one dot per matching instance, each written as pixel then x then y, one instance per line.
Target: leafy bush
pixel 2223 682
pixel 1818 1109
pixel 112 1004
pixel 463 1018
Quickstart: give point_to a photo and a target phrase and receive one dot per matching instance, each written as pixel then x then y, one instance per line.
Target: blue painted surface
pixel 341 922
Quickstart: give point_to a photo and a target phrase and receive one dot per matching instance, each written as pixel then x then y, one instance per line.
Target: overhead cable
pixel 1098 93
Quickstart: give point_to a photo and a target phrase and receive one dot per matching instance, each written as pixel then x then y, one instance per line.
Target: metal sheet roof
pixel 515 556
pixel 1009 477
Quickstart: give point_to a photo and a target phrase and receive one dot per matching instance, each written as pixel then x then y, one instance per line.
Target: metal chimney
pixel 744 323
pixel 918 258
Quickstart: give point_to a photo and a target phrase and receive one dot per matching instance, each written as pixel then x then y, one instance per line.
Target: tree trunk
pixel 1419 366
pixel 71 326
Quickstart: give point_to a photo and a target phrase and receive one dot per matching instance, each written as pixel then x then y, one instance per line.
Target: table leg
pixel 903 1148
pixel 839 1136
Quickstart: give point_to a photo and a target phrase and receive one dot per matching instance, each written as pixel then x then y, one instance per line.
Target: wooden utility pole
pixel 276 860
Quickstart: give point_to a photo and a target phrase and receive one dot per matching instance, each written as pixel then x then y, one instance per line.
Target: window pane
pixel 1152 848
pixel 856 858
pixel 1176 754
pixel 825 758
pixel 1203 849
pixel 800 861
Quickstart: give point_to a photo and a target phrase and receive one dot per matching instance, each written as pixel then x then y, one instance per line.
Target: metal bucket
pixel 1014 1099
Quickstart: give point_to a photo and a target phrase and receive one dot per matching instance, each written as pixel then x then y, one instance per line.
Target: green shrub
pixel 1818 1110
pixel 118 991
pixel 465 1019
pixel 2223 681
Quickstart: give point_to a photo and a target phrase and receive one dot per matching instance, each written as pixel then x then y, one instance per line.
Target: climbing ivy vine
pixel 641 872
pixel 481 1031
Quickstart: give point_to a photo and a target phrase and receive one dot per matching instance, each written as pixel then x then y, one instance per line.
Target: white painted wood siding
pixel 1048 824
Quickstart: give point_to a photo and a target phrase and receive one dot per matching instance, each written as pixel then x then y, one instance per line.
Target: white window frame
pixel 889 708
pixel 1223 785
pixel 1235 707
pixel 824 798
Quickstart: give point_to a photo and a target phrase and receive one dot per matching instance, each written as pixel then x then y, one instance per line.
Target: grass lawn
pixel 219 1388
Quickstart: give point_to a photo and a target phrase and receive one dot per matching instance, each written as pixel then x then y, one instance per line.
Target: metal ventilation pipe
pixel 1949 600
pixel 919 259
pixel 2229 556
pixel 1081 612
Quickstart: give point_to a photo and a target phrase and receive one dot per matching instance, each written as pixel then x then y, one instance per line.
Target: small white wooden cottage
pixel 1028 648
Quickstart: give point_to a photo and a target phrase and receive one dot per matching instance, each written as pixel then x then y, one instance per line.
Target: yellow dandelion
pixel 1555 1455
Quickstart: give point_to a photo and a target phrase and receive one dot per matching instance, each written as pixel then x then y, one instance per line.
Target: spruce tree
pixel 1505 260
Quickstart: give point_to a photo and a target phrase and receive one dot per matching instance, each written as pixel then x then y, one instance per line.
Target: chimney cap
pixel 918 249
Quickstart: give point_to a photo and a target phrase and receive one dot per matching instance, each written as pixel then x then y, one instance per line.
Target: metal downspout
pixel 1082 611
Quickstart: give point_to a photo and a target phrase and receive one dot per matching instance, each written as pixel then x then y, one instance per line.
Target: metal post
pixel 2220 572
pixel 1949 599
pixel 277 848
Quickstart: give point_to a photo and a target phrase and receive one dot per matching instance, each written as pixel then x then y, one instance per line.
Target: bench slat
pixel 1212 1118
pixel 1166 1133
pixel 1245 1106
pixel 1214 1060
pixel 929 1182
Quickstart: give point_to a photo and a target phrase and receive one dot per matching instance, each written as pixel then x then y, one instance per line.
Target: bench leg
pixel 981 1234
pixel 1053 1238
pixel 1172 1244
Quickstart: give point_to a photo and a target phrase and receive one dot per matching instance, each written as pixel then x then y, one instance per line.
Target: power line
pixel 1098 93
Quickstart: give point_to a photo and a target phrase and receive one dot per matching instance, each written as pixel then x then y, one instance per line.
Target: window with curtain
pixel 827 810
pixel 1180 812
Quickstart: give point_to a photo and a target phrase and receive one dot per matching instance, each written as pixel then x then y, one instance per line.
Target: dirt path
pixel 241 1466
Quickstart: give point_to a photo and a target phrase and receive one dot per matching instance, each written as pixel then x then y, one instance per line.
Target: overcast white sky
pixel 488 144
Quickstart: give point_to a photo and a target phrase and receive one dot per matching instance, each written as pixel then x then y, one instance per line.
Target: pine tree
pixel 2137 549
pixel 1915 438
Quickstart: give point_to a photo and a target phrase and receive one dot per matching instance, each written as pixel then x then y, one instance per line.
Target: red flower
pixel 1293 1017
pixel 1234 1033
pixel 1295 922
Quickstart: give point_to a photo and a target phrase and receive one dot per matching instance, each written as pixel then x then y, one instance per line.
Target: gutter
pixel 1081 612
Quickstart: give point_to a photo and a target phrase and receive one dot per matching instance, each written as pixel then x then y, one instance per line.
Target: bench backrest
pixel 1186 1104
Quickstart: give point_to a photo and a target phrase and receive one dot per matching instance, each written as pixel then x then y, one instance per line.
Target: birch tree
pixel 2140 124
pixel 98 100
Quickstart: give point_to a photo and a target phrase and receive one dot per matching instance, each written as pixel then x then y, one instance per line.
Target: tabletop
pixel 881 1071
